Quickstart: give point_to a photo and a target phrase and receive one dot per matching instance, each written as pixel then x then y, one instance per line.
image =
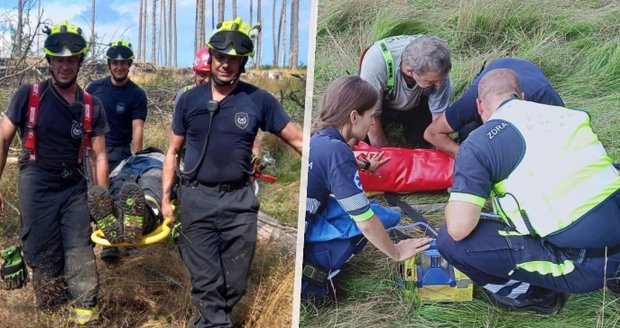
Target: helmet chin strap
pixel 63 85
pixel 221 83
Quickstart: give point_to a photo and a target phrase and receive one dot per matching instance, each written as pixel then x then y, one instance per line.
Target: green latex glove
pixel 13 270
pixel 176 232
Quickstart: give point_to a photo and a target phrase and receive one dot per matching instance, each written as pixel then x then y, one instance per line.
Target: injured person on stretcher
pixel 131 207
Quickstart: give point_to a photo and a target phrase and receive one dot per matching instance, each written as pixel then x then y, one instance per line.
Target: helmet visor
pixel 119 53
pixel 56 42
pixel 240 42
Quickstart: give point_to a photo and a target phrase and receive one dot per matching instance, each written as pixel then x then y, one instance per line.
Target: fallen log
pixel 270 229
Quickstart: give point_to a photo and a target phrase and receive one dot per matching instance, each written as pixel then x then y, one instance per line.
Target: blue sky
pixel 116 19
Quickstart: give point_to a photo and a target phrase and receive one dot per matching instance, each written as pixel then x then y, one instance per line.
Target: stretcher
pixel 408 170
pixel 159 234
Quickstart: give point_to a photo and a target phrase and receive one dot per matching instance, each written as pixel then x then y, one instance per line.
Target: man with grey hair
pixel 411 72
pixel 557 195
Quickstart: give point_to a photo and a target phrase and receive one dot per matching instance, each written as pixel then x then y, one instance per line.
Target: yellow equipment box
pixel 429 278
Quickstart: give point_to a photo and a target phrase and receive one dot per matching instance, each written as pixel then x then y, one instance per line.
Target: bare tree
pixel 282 34
pixel 160 31
pixel 200 25
pixel 154 36
pixel 259 42
pixel 144 36
pixel 251 11
pixel 170 36
pixel 174 24
pixel 221 8
pixel 140 27
pixel 294 55
pixel 274 34
pixel 19 31
pixel 92 27
pixel 212 14
pixel 234 8
pixel 39 14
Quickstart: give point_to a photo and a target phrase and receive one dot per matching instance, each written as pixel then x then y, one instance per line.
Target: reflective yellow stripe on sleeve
pixel 364 216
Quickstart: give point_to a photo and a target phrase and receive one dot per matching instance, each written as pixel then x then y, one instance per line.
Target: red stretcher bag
pixel 408 170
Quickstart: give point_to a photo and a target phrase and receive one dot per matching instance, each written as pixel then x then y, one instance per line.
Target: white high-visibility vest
pixel 564 173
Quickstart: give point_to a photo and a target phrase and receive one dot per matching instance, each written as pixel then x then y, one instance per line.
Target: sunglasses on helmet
pixel 123 52
pixel 56 42
pixel 241 43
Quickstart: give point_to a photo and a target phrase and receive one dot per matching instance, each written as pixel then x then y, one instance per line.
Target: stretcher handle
pixel 162 232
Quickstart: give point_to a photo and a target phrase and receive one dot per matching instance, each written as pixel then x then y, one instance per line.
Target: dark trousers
pixel 328 256
pixel 55 232
pixel 116 154
pixel 488 257
pixel 217 245
pixel 413 122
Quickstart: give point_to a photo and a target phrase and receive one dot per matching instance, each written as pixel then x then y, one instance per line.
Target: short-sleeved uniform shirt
pixel 59 126
pixel 488 156
pixel 122 104
pixel 531 80
pixel 403 98
pixel 484 160
pixel 333 170
pixel 235 125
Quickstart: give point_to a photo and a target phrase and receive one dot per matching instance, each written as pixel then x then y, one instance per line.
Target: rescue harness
pixel 32 115
pixel 389 65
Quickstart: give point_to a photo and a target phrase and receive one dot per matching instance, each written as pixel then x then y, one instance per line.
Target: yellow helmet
pixel 232 37
pixel 120 50
pixel 64 40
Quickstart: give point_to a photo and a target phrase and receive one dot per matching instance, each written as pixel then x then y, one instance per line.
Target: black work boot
pixel 130 200
pixel 101 207
pixel 549 302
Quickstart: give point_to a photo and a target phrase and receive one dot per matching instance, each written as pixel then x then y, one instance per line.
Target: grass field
pixel 577 45
pixel 151 289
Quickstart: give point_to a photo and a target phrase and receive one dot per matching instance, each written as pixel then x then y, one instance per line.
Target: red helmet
pixel 202 60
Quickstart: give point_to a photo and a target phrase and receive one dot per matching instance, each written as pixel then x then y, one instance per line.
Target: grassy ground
pixel 577 45
pixel 151 289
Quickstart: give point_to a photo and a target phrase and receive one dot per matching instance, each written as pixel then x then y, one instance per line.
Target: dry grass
pixel 270 297
pixel 151 289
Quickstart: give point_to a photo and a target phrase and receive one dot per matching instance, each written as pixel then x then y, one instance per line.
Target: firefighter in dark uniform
pixel 218 122
pixel 55 222
pixel 125 104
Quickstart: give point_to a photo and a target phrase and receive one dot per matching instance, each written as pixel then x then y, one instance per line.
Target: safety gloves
pixel 13 270
pixel 176 231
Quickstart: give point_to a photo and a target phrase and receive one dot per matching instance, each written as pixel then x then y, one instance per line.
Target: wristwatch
pixel 366 163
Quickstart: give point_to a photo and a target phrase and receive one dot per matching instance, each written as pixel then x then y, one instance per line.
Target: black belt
pixel 65 172
pixel 221 186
